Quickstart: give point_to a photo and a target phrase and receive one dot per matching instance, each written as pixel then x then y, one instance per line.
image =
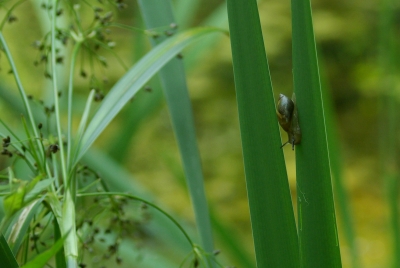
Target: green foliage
pixel 64 203
pixel 52 196
pixel 42 259
pixel 316 213
pixel 388 123
pixel 274 229
pixel 173 79
pixel 134 80
pixel 6 256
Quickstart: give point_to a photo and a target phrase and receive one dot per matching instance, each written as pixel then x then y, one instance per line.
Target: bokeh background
pixel 351 47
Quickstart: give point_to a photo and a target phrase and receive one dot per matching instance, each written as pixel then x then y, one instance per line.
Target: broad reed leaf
pixel 319 244
pixel 389 121
pixel 272 217
pixel 343 208
pixel 158 13
pixel 6 256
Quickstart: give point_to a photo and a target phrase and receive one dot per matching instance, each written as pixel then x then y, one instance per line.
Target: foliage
pixel 65 203
pixel 51 194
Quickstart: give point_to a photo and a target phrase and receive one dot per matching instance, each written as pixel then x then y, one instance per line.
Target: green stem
pixel 68 211
pixel 55 91
pixel 68 225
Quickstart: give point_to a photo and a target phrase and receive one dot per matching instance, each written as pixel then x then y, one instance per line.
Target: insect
pixel 288 119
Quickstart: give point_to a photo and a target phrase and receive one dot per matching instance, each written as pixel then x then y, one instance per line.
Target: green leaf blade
pixel 272 218
pixel 319 245
pixel 134 80
pixel 158 13
pixel 6 256
pixel 42 259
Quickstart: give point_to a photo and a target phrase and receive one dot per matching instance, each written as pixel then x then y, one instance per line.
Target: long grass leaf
pixel 147 105
pixel 20 227
pixel 6 256
pixel 60 257
pixel 158 13
pixel 144 106
pixel 42 259
pixel 83 122
pixel 136 77
pixel 339 190
pixel 272 217
pixel 388 120
pixel 319 245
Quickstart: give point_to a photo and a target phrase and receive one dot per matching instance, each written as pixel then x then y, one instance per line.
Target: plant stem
pixel 68 225
pixel 55 91
pixel 68 211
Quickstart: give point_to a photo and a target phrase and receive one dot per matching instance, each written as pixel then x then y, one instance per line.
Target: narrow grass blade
pixel 136 77
pixel 6 256
pixel 319 245
pixel 339 190
pixel 20 227
pixel 389 121
pixel 158 13
pixel 272 217
pixel 42 259
pixel 143 108
pixel 60 257
pixel 144 105
pixel 83 122
pixel 17 143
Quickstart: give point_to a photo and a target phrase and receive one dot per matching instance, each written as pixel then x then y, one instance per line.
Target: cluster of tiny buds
pixel 172 27
pixel 48 110
pixel 35 236
pixel 53 148
pixel 98 95
pixel 6 143
pixel 112 249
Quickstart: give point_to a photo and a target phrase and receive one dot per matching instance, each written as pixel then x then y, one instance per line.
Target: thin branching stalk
pixel 147 203
pixel 55 91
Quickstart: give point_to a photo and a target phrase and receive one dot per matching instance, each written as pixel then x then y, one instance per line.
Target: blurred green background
pixel 349 44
